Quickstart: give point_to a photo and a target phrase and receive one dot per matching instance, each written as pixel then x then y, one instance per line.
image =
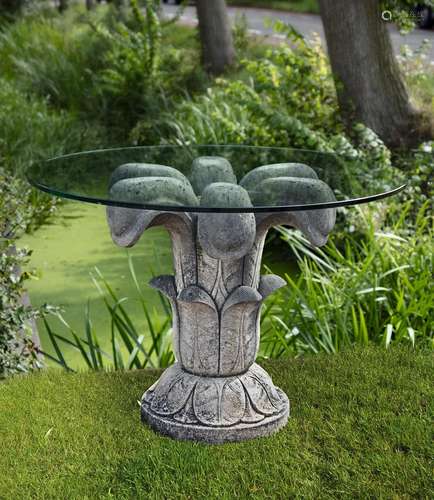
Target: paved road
pixel 307 24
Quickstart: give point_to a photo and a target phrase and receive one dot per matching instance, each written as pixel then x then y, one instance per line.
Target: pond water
pixel 65 254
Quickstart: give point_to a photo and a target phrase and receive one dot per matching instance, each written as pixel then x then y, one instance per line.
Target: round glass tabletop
pixel 215 178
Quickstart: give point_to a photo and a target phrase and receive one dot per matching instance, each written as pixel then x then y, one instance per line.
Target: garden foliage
pixel 18 354
pixel 115 76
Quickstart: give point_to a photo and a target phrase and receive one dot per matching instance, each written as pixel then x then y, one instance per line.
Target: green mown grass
pixel 360 427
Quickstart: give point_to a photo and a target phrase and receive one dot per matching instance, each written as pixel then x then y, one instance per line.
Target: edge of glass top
pixel 185 208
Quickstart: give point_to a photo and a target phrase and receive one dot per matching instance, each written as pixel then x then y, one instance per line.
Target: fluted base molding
pixel 215 409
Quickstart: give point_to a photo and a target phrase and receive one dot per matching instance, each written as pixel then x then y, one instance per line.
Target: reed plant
pixel 371 288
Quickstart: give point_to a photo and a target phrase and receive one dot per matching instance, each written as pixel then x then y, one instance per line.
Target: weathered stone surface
pixel 226 236
pixel 314 224
pixel 132 170
pixel 165 191
pixel 215 392
pixel 252 179
pixel 290 190
pixel 225 195
pixel 215 409
pixel 208 169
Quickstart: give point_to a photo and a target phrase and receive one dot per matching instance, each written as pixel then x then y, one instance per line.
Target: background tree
pixel 63 5
pixel 215 35
pixel 369 84
pixel 10 7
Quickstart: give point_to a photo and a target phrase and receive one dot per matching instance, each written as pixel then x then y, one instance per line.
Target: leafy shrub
pixel 32 131
pixel 10 8
pixel 108 66
pixel 22 208
pixel 18 353
pixel 130 78
pixel 58 59
pixel 419 74
pixel 138 78
pixel 286 99
pixel 377 289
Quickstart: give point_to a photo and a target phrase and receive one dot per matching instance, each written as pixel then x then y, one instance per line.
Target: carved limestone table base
pixel 215 409
pixel 215 392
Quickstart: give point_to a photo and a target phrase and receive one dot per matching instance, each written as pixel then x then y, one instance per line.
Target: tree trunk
pixel 215 34
pixel 63 5
pixel 90 4
pixel 369 85
pixel 10 7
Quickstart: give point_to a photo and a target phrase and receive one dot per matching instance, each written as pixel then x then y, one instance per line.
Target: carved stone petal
pixel 172 391
pixel 166 191
pixel 226 236
pixel 132 170
pixel 250 415
pixel 314 224
pixel 265 379
pixel 260 393
pixel 270 283
pixel 206 400
pixel 208 169
pixel 291 190
pixel 233 402
pixel 199 327
pixel 128 224
pixel 166 285
pixel 257 175
pixel 186 415
pixel 239 330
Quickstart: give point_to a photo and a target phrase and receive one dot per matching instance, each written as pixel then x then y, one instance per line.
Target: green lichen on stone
pixel 133 170
pixel 252 179
pixel 214 183
pixel 291 191
pixel 206 170
pixel 225 195
pixel 154 190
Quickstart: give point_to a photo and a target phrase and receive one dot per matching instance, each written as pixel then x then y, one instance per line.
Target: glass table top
pixel 215 178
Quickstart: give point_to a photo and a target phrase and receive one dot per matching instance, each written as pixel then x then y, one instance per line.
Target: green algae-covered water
pixel 65 254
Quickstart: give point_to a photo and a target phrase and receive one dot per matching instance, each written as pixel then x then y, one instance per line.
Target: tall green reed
pixel 131 347
pixel 372 288
pixel 376 288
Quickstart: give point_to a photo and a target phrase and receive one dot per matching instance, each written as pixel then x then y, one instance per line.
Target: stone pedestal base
pixel 215 409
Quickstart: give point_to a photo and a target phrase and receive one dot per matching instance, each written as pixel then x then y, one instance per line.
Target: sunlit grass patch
pixel 360 426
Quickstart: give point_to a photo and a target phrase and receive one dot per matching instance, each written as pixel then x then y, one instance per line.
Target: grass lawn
pixel 360 427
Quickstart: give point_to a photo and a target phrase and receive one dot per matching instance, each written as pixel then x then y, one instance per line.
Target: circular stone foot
pixel 215 409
